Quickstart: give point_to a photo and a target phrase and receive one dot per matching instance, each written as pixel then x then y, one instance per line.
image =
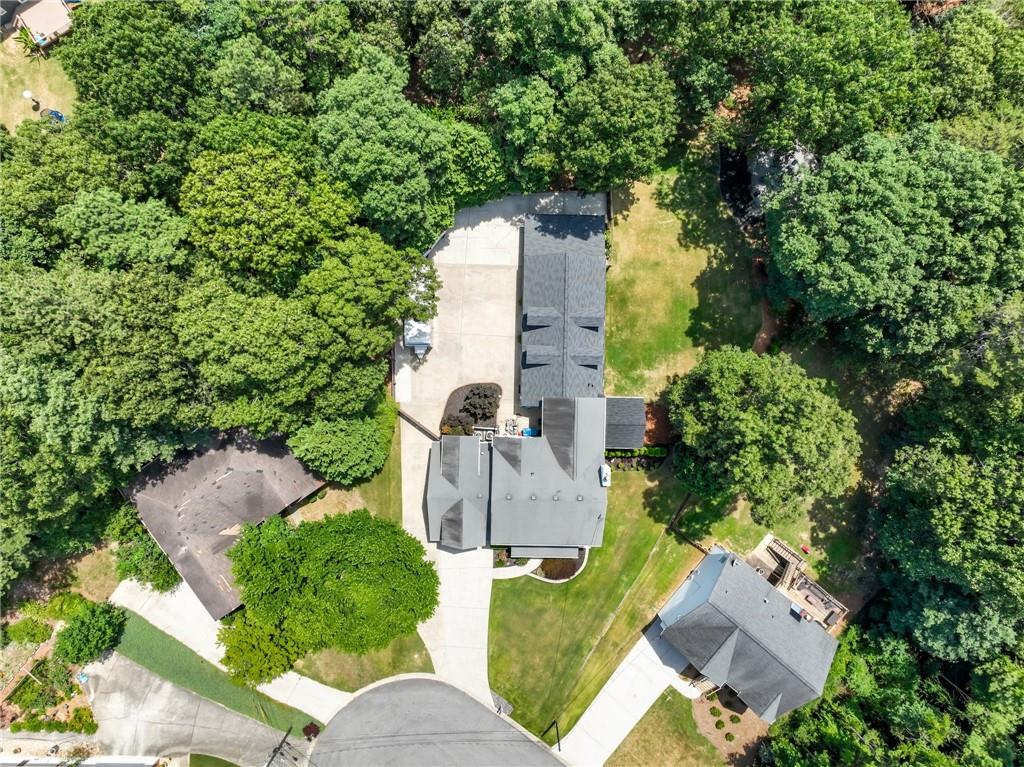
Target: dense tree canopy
pixel 352 581
pixel 760 428
pixel 874 244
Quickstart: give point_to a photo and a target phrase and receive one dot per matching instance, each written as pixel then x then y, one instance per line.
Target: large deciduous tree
pixel 900 242
pixel 256 213
pixel 352 582
pixel 759 427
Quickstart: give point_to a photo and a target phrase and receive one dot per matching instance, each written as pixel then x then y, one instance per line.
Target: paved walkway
pixel 516 571
pixel 181 614
pixel 140 713
pixel 650 667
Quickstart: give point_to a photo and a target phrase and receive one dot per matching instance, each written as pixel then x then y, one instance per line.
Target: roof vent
pixel 508 496
pixel 554 497
pixel 579 497
pixel 533 497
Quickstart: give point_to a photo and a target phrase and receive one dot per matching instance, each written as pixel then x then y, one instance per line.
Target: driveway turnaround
pixel 140 713
pixel 420 723
pixel 181 614
pixel 650 667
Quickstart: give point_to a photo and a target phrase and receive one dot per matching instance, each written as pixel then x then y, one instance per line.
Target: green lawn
pixel 552 645
pixel 203 760
pixel 168 658
pixel 44 77
pixel 381 494
pixel 349 672
pixel 680 280
pixel 666 735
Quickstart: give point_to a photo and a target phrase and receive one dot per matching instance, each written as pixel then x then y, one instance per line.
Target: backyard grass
pixel 168 658
pixel 552 645
pixel 381 494
pixel 94 576
pixel 680 280
pixel 204 760
pixel 667 734
pixel 349 672
pixel 44 77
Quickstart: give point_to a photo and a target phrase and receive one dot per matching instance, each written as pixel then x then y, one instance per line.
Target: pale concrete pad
pixel 181 614
pixel 651 666
pixel 515 571
pixel 140 713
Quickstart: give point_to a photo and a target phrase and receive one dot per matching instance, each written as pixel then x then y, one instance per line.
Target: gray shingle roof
pixel 195 507
pixel 458 489
pixel 738 630
pixel 625 423
pixel 563 308
pixel 523 491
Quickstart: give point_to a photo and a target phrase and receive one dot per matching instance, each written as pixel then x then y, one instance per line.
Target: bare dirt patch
pixel 747 732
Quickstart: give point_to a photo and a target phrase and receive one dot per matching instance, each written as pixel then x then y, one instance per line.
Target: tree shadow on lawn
pixel 728 298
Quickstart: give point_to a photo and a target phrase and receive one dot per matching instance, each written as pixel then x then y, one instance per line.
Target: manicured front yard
pixel 666 735
pixel 406 655
pixel 168 658
pixel 44 77
pixel 551 646
pixel 680 280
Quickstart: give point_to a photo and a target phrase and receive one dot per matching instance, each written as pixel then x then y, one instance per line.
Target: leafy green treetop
pixel 759 427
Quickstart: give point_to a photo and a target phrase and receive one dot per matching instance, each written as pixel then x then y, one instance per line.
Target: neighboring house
pixel 195 507
pixel 562 318
pixel 543 496
pixel 738 630
pixel 46 20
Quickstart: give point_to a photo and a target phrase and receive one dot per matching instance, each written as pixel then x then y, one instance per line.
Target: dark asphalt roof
pixel 458 489
pixel 738 630
pixel 563 308
pixel 195 507
pixel 423 723
pixel 625 423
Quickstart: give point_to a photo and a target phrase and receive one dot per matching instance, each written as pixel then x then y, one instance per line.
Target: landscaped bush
pixel 712 696
pixel 734 718
pixel 719 725
pixel 48 684
pixel 481 402
pixel 353 582
pixel 730 737
pixel 60 607
pixel 137 554
pixel 28 631
pixel 649 451
pixel 81 720
pixel 715 711
pixel 457 424
pixel 90 633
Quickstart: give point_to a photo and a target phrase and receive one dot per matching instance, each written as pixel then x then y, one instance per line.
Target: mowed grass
pixel 405 655
pixel 667 734
pixel 552 646
pixel 169 659
pixel 94 576
pixel 205 760
pixel 680 280
pixel 381 494
pixel 44 77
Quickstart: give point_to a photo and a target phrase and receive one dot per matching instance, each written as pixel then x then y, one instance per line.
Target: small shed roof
pixel 625 423
pixel 195 507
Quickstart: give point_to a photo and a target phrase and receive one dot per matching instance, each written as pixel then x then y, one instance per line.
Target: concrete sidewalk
pixel 651 666
pixel 140 713
pixel 181 614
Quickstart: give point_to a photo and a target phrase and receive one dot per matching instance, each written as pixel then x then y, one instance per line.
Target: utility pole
pixel 278 748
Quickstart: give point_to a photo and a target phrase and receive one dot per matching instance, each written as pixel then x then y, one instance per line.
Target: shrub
pixel 734 718
pixel 29 631
pixel 716 711
pixel 81 720
pixel 457 424
pixel 712 696
pixel 90 633
pixel 730 737
pixel 65 605
pixel 719 725
pixel 49 683
pixel 311 730
pixel 481 402
pixel 138 555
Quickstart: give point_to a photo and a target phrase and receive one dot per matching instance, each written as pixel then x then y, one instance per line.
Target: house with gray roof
pixel 737 630
pixel 195 506
pixel 541 496
pixel 563 308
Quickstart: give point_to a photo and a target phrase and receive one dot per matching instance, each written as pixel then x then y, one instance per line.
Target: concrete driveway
pixel 650 667
pixel 140 713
